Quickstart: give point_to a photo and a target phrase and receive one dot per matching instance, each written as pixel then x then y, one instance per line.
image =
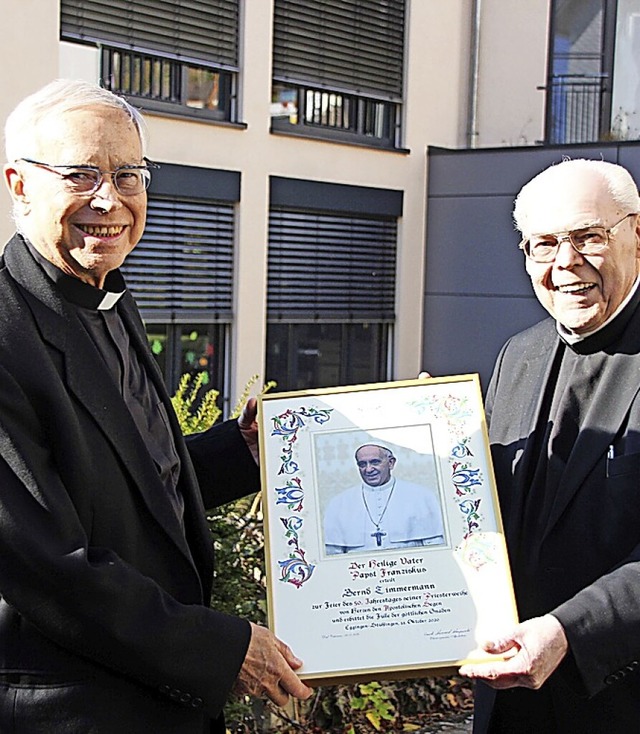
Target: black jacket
pixel 104 618
pixel 587 567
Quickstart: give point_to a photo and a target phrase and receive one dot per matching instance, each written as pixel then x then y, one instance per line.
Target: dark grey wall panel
pixel 499 171
pixel 629 157
pixel 472 247
pixel 477 293
pixel 464 334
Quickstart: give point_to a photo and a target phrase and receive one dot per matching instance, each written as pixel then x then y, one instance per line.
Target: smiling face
pixel 84 236
pixel 375 465
pixel 582 292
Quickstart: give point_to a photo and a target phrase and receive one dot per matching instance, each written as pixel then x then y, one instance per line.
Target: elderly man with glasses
pixel 105 554
pixel 564 413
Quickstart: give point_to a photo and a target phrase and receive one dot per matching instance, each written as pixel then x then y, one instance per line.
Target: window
pixel 184 263
pixel 592 91
pixel 338 69
pixel 181 272
pixel 190 348
pixel 168 55
pixel 166 85
pixel 625 101
pixel 300 356
pixel 331 284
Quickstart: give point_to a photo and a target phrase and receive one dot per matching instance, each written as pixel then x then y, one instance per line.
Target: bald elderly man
pixel 564 412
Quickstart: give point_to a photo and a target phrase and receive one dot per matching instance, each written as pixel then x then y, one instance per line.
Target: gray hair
pixel 56 98
pixel 618 182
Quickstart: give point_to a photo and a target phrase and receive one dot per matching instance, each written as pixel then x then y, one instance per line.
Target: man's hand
pixel 533 650
pixel 248 426
pixel 268 669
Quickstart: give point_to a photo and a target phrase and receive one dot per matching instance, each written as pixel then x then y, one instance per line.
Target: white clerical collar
pixel 109 300
pixel 78 292
pixel 380 487
pixel 572 338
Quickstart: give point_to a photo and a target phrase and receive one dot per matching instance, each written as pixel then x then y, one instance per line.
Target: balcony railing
pixel 575 105
pixel 169 85
pixel 336 115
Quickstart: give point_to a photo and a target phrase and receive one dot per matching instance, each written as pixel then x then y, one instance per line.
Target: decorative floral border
pixel 465 476
pixel 295 569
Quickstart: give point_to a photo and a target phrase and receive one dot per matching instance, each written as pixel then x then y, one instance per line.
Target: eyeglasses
pixel 543 248
pixel 86 180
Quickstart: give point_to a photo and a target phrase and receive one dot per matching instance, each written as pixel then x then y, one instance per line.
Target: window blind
pixel 200 31
pixel 330 267
pixel 182 268
pixel 344 45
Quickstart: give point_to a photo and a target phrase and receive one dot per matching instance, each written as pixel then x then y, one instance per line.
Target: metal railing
pixel 574 108
pixel 338 114
pixel 168 84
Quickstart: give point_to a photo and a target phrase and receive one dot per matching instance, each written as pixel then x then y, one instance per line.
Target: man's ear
pixel 15 184
pixel 637 236
pixel 14 181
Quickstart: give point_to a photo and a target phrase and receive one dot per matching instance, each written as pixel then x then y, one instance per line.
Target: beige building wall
pixel 28 58
pixel 512 66
pixel 436 113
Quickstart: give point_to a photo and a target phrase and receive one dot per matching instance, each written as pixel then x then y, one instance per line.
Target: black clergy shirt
pixel 97 310
pixel 578 372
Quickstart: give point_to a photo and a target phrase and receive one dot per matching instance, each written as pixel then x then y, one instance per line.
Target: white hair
pixel 618 182
pixel 56 98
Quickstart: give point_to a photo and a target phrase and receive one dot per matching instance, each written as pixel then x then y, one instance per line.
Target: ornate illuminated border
pixel 465 477
pixel 295 569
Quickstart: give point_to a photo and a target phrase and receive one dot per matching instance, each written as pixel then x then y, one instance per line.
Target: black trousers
pixel 522 711
pixel 91 707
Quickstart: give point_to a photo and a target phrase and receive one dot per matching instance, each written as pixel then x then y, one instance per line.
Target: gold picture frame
pixel 355 594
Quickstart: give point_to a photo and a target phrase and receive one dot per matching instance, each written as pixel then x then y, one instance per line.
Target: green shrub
pixel 196 408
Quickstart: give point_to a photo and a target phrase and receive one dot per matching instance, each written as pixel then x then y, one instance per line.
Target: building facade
pixel 588 105
pixel 287 221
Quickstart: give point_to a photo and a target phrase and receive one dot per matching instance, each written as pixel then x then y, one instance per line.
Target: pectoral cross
pixel 378 535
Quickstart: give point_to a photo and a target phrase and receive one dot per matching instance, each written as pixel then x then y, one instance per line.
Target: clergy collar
pixel 381 487
pixel 77 291
pixel 608 332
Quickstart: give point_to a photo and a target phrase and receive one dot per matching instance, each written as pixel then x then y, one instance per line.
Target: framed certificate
pixel 384 546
